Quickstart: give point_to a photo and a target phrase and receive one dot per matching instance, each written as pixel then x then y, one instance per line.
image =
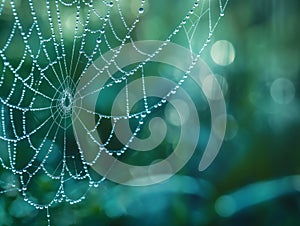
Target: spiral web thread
pixel 46 47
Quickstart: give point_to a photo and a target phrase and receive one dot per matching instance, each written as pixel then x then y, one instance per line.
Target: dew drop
pixel 141 10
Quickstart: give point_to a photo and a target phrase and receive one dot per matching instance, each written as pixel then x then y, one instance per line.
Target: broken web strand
pixel 152 55
pixel 173 91
pixel 131 72
pixel 61 61
pixel 117 51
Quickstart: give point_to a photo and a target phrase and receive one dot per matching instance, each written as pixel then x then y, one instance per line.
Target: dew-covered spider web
pixel 45 49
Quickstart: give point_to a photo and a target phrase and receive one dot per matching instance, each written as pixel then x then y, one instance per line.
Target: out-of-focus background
pixel 255 179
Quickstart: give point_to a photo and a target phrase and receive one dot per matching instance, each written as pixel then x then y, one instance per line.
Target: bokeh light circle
pixel 222 52
pixel 282 91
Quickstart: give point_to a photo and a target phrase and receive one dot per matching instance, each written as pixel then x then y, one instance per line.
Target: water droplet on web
pixel 141 10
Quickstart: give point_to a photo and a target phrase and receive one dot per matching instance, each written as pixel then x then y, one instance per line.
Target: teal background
pixel 252 181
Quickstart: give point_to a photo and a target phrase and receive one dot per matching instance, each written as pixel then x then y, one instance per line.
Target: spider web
pixel 45 49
